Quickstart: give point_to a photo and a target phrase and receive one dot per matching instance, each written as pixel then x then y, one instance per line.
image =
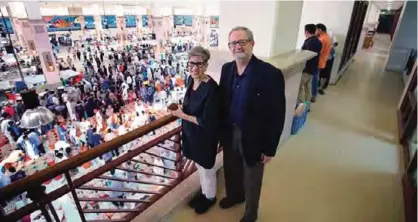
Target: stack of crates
pixel 299 120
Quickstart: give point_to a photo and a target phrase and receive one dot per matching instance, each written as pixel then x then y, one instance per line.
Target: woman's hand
pixel 178 112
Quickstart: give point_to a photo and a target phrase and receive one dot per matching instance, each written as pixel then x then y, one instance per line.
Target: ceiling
pixel 385 4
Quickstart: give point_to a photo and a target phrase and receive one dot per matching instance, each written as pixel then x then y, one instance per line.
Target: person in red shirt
pixel 9 110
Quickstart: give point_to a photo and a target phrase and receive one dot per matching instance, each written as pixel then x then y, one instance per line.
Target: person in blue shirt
pixel 37 141
pixel 96 139
pixel 4 180
pixel 90 136
pixel 313 44
pixel 29 145
pixel 14 130
pixel 105 84
pixel 150 94
pixel 62 132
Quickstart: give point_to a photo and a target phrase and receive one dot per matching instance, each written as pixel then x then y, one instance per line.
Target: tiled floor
pixel 344 165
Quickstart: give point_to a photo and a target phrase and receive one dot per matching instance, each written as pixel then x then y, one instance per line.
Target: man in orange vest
pixel 321 32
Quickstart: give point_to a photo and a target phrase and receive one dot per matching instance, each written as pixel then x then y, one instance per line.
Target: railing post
pixel 54 213
pixel 37 195
pixel 76 200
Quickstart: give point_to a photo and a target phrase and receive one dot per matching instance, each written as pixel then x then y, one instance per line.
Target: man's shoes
pixel 321 92
pixel 247 220
pixel 204 205
pixel 226 203
pixel 196 200
pixel 313 99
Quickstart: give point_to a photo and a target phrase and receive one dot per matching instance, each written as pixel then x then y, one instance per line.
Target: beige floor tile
pixel 344 165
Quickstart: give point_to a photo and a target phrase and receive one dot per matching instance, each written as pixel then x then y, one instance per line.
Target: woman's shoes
pixel 201 204
pixel 204 205
pixel 196 199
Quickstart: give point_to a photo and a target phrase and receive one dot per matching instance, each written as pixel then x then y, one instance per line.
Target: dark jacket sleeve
pixel 209 118
pixel 222 108
pixel 275 112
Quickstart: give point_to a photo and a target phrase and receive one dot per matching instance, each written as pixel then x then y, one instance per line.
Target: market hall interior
pixel 352 157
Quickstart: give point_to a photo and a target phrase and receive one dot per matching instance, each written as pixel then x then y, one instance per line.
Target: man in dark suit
pixel 253 107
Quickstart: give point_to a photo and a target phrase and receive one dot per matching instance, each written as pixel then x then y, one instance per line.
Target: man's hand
pixel 265 159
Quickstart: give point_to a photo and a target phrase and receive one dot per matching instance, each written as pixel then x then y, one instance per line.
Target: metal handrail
pixel 42 201
pixel 38 178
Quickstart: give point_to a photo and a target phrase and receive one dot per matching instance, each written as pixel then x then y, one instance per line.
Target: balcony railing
pixel 147 170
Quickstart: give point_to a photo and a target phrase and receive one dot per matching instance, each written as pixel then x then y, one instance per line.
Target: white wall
pixel 405 38
pixel 18 9
pixel 373 13
pixel 286 27
pixel 406 33
pixel 50 11
pixel 257 16
pixel 335 15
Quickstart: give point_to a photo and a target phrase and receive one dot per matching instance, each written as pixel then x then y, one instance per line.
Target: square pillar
pixel 275 24
pixel 121 26
pixel 32 29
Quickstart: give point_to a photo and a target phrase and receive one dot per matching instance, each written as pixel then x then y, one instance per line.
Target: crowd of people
pixel 112 95
pixel 317 71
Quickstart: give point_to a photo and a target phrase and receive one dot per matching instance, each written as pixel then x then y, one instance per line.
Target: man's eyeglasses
pixel 239 42
pixel 197 64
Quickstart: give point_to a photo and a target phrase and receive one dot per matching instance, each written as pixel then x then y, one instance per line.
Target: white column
pixel 257 16
pixel 160 19
pixel 78 12
pixel 36 37
pixel 98 25
pixel 273 23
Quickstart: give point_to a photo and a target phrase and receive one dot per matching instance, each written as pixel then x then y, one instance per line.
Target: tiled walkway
pixel 344 165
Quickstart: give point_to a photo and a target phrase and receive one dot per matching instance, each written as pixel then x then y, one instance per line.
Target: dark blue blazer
pixel 265 112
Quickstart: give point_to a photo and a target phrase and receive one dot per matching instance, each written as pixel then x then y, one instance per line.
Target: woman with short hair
pixel 200 115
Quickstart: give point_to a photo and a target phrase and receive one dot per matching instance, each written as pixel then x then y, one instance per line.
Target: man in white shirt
pixel 4 125
pixel 139 107
pixel 139 120
pixel 71 109
pixel 108 137
pixel 129 81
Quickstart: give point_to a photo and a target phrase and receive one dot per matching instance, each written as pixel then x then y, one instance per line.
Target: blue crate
pixel 299 121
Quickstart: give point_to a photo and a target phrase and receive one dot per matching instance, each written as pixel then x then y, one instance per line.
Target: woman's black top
pixel 200 142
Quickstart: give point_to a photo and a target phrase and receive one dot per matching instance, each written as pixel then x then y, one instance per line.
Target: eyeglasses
pixel 197 64
pixel 239 42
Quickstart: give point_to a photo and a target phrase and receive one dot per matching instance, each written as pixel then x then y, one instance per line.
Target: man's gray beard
pixel 240 55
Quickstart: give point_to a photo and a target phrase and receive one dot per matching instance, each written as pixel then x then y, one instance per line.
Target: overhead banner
pixel 110 21
pixel 130 21
pixel 9 27
pixel 183 20
pixel 214 21
pixel 62 23
pixel 89 22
